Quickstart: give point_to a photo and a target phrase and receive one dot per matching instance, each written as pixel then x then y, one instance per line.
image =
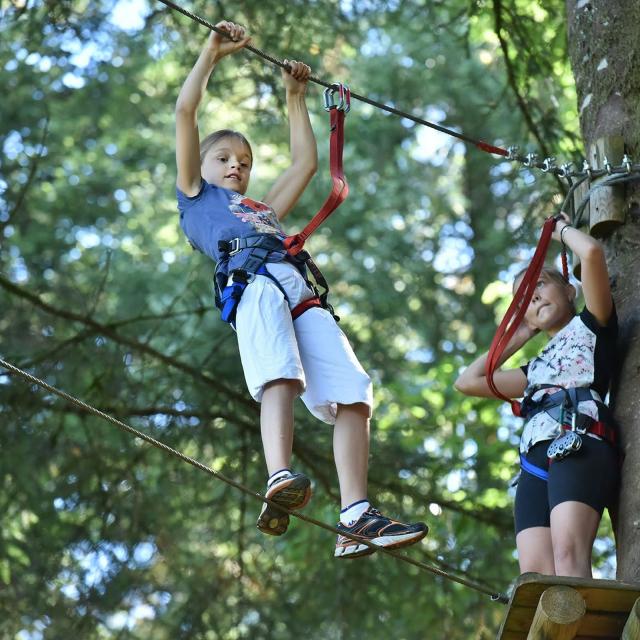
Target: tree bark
pixel 604 45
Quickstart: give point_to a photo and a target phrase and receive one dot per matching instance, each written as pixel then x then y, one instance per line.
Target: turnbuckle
pixel 344 97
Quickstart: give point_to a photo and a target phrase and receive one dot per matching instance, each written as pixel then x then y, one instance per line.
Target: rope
pixel 495 595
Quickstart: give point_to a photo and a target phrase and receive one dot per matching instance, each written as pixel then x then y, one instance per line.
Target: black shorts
pixel 590 475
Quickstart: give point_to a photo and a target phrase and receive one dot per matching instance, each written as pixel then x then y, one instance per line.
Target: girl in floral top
pixel 558 506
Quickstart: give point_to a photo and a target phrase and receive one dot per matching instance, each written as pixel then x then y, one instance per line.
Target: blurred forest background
pixel 105 537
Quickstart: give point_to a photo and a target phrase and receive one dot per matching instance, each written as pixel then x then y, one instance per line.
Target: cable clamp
pixel 513 152
pixel 627 163
pixel 549 164
pixel 530 160
pixel 607 166
pixel 565 170
pixel 344 97
pixel 586 168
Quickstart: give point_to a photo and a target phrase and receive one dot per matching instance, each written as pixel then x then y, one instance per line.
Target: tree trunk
pixel 604 45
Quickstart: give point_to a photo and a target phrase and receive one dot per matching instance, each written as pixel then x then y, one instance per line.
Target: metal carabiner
pixel 344 97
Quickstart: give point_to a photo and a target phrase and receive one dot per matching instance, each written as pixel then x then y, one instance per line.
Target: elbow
pixel 309 168
pixel 594 252
pixel 184 108
pixel 461 385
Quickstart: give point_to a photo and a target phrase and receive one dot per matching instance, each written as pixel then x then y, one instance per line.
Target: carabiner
pixel 344 97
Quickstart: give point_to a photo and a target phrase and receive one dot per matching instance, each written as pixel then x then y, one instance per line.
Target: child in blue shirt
pixel 282 358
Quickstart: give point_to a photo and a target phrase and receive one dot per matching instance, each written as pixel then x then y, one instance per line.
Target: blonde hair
pixel 216 136
pixel 553 274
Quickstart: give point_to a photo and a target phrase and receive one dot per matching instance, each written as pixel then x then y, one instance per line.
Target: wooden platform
pixel 608 604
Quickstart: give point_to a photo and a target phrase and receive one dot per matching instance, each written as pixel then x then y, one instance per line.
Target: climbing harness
pixel 230 285
pixel 340 190
pixel 495 595
pixel 518 307
pixel 563 407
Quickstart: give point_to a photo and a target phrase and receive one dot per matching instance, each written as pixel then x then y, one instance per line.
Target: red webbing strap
pixel 518 307
pixel 598 428
pixel 295 243
pixel 305 305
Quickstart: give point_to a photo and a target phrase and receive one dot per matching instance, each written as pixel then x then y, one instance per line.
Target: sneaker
pixel 381 531
pixel 292 491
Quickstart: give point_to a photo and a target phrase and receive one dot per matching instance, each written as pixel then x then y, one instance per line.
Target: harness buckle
pixel 344 97
pixel 240 276
pixel 234 246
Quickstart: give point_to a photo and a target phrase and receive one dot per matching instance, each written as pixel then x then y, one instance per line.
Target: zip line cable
pixel 484 146
pixel 529 160
pixel 495 595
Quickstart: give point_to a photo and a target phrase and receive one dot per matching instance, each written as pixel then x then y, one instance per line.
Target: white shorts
pixel 312 349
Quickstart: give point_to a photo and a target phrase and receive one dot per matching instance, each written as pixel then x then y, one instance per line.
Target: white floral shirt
pixel 580 355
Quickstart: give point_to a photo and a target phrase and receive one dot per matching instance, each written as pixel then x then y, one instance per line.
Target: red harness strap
pixel 305 305
pixel 295 243
pixel 598 428
pixel 518 307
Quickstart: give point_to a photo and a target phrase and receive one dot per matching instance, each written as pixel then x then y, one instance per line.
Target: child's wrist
pixel 562 231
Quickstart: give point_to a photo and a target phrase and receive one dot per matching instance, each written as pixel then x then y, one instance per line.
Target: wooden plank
pixel 608 603
pixel 598 625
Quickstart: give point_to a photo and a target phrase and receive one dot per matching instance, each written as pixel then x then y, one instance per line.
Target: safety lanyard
pixel 295 243
pixel 518 307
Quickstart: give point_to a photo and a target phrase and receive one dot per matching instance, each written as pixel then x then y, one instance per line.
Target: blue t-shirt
pixel 217 214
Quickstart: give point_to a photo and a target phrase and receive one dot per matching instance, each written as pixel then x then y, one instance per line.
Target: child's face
pixel 228 164
pixel 551 306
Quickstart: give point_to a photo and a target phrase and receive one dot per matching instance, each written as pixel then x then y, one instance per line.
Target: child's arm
pixel 187 139
pixel 593 265
pixel 511 383
pixel 288 188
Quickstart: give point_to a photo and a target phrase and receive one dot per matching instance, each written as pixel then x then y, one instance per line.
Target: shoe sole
pixel 387 542
pixel 293 495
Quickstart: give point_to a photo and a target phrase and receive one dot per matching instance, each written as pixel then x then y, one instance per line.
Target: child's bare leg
pixel 351 451
pixel 276 422
pixel 573 529
pixel 535 552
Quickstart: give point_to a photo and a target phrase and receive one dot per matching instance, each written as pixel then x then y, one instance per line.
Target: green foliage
pixel 105 537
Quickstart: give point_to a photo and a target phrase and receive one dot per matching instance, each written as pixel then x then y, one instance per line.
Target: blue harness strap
pixel 230 285
pixel 531 469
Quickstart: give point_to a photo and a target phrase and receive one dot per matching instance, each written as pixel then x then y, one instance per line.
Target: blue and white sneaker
pixel 373 527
